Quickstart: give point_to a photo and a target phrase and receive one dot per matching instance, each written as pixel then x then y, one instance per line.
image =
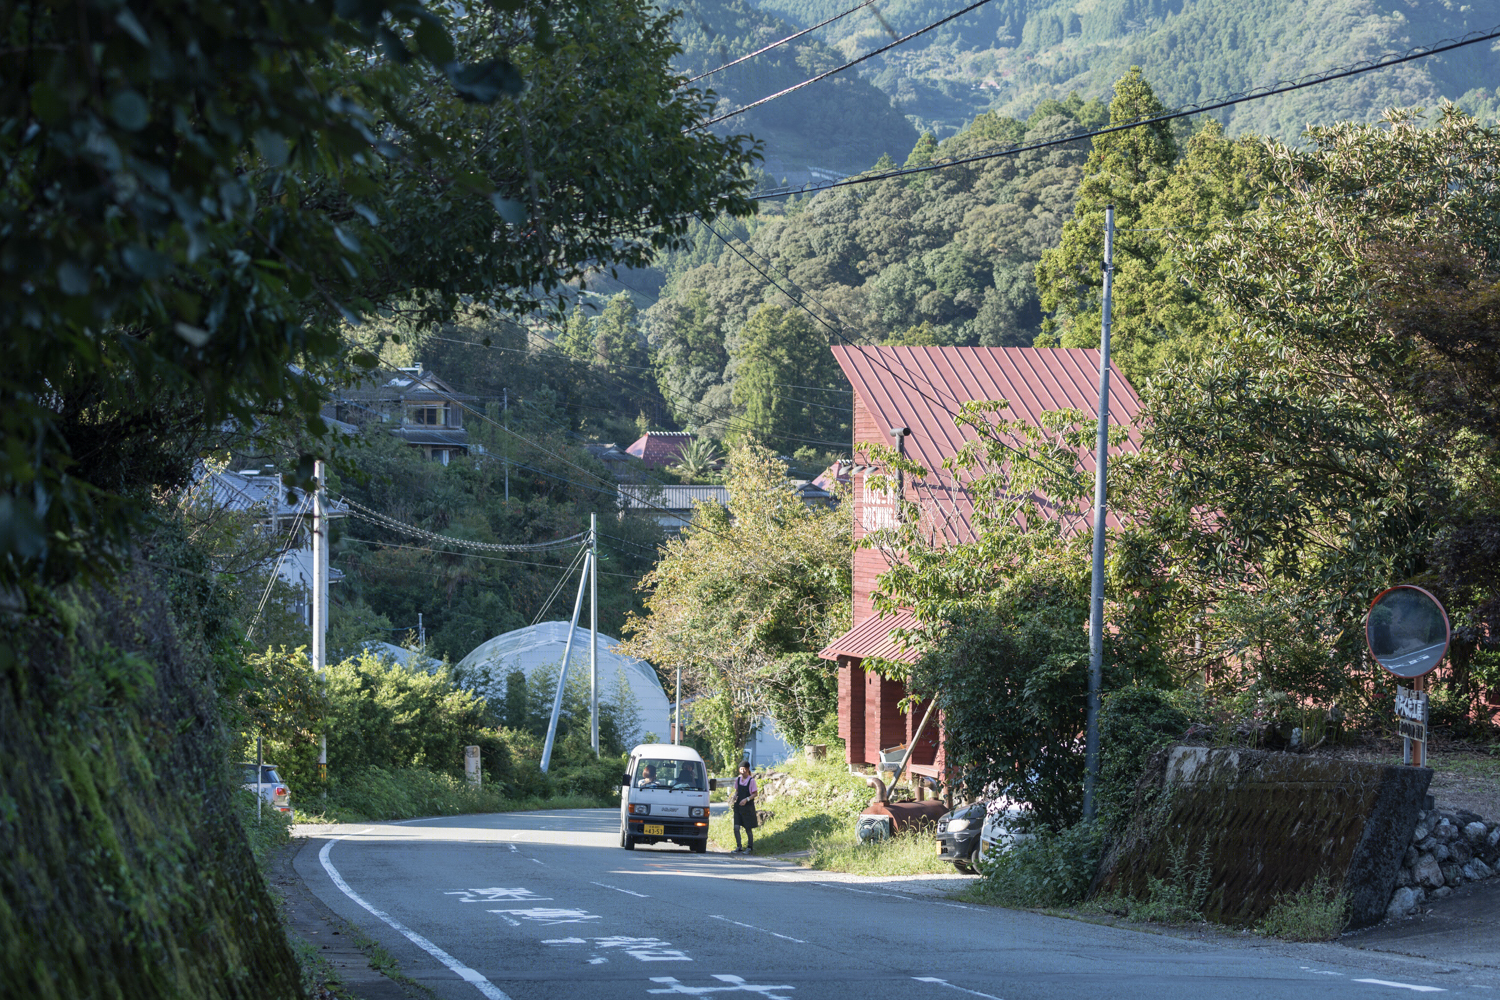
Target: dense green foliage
pixel 194 199
pixel 1133 722
pixel 127 873
pixel 738 594
pixel 1051 868
pixel 946 258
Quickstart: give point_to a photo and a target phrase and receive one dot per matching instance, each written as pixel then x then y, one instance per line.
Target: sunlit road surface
pixel 548 905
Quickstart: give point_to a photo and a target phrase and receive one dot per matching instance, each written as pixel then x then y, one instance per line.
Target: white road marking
pixel 642 949
pixel 640 895
pixel 468 975
pixel 715 916
pixel 598 961
pixel 735 985
pixel 509 920
pixel 538 861
pixel 944 982
pixel 1403 986
pixel 551 916
pixel 494 895
pixel 1320 972
pixel 865 892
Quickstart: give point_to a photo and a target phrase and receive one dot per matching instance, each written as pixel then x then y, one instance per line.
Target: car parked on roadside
pixel 978 830
pixel 269 786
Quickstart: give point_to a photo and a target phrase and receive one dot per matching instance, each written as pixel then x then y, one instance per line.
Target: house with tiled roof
pixel 659 449
pixel 907 398
pixel 414 405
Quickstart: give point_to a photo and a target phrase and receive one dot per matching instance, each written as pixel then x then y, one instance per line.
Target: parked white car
pixel 1001 831
pixel 269 786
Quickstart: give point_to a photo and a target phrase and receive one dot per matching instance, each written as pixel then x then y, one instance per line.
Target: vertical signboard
pixel 471 764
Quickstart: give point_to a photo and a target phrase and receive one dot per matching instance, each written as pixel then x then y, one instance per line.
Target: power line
pixel 783 41
pixel 472 555
pixel 1420 52
pixel 836 69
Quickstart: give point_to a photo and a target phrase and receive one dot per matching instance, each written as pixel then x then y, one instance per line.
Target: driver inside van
pixel 648 776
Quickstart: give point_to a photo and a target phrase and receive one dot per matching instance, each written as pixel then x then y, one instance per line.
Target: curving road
pixel 525 906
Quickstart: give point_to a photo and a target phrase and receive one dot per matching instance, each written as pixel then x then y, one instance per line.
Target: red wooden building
pixel 920 390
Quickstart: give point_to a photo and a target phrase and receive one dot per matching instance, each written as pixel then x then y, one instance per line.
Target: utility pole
pixel 505 416
pixel 562 675
pixel 319 599
pixel 677 715
pixel 421 633
pixel 594 630
pixel 1096 611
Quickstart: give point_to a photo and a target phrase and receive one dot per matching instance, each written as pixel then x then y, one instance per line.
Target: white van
pixel 664 796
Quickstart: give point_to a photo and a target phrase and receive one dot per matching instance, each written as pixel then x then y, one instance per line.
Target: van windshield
pixel 671 774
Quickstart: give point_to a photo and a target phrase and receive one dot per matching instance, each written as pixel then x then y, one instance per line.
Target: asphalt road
pixel 547 905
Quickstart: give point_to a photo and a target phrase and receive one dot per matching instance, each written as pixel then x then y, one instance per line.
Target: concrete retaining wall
pixel 1272 822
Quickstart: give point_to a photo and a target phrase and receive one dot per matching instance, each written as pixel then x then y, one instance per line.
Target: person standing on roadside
pixel 742 803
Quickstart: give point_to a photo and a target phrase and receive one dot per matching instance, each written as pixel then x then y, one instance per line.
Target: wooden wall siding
pixel 851 677
pixel 885 725
pixel 927 747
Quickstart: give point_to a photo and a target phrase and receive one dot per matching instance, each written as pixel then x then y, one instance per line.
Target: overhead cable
pixel 837 69
pixel 779 42
pixel 1186 111
pixel 365 513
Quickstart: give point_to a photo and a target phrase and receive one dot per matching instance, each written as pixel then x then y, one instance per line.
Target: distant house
pixel 907 397
pixel 659 449
pixel 261 494
pixel 416 406
pixel 672 506
pixel 616 461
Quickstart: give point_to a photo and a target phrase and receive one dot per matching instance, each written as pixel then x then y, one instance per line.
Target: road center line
pixel 468 975
pixel 944 982
pixel 1403 986
pixel 752 927
pixel 638 895
pixel 869 892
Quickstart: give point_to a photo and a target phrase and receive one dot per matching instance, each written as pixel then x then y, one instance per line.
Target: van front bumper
pixel 671 827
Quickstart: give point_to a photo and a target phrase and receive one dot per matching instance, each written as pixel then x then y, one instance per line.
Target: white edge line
pixel 752 927
pixel 944 982
pixel 1403 986
pixel 638 895
pixel 465 973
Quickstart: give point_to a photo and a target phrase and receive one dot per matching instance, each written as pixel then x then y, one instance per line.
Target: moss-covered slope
pixel 125 873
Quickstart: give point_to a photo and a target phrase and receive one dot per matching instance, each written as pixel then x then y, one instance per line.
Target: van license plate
pixel 654 831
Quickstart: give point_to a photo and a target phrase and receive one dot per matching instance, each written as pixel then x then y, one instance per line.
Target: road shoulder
pixel 344 953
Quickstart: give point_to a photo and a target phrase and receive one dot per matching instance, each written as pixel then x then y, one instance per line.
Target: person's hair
pixel 745 764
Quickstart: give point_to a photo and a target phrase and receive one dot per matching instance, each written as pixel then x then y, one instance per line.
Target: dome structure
pixel 541 647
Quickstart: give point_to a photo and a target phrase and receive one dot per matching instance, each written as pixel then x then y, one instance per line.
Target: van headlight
pixel 699 811
pixel 958 825
pixel 640 809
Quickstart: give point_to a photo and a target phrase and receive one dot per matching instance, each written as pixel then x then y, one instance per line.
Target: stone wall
pixel 1267 825
pixel 1447 849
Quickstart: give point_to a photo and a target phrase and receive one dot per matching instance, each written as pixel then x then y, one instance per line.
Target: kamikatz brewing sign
pixel 1411 714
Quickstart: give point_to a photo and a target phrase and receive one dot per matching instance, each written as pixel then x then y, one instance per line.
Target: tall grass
pixel 376 795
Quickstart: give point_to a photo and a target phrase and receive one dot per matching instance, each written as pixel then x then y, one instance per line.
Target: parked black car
pixel 958 835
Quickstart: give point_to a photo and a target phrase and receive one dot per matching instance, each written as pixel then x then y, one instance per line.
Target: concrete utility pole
pixel 319 599
pixel 562 675
pixel 505 416
pixel 1096 612
pixel 594 630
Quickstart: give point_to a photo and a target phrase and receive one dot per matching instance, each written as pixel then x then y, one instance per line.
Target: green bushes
pixel 1050 869
pixel 1133 721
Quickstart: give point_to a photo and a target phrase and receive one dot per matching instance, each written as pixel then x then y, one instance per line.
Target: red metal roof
pixel 660 448
pixel 922 388
pixel 872 638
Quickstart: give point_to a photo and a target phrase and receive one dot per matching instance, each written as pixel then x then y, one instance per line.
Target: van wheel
pixel 698 846
pixel 626 840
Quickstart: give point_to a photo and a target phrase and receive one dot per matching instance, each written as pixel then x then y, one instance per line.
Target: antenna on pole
pixel 1096 610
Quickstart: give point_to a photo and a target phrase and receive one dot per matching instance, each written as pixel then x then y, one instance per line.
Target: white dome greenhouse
pixel 541 647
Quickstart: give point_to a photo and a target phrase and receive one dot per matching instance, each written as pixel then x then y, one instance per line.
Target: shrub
pixel 1316 912
pixel 1051 869
pixel 1133 721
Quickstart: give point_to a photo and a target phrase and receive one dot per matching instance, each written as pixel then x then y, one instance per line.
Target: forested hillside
pixel 945 257
pixel 843 124
pixel 1010 55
